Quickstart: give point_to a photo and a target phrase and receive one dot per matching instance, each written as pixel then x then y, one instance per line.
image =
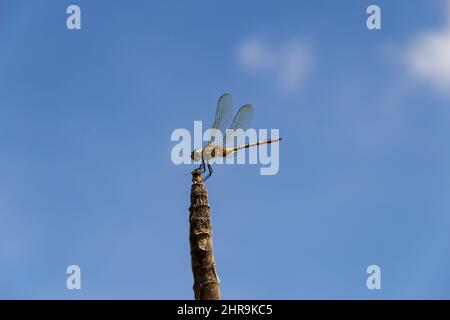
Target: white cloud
pixel 428 57
pixel 254 55
pixel 288 62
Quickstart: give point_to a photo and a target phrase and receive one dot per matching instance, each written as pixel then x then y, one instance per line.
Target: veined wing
pixel 223 114
pixel 242 120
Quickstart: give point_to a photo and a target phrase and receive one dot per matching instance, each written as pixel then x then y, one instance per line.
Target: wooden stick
pixel 206 281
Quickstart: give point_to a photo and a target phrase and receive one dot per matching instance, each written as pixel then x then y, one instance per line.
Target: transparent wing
pixel 242 120
pixel 223 114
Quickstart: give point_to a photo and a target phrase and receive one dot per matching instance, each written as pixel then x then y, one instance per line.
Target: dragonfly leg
pixel 203 161
pixel 202 167
pixel 210 171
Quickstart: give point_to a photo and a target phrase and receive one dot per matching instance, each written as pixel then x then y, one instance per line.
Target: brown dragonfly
pixel 213 149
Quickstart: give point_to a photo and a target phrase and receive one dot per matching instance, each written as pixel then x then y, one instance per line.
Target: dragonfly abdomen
pixel 248 145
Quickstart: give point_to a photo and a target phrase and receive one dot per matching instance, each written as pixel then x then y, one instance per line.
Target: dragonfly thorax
pixel 207 153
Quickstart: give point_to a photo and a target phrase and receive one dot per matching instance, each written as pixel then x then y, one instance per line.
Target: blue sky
pixel 86 177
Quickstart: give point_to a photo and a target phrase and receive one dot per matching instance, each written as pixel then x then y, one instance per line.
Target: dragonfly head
pixel 196 155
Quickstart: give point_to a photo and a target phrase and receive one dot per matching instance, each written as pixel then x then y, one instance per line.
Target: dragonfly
pixel 214 149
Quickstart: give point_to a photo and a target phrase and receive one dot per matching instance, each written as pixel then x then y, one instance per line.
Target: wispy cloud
pixel 428 56
pixel 288 62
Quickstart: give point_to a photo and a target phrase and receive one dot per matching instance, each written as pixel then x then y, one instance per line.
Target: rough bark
pixel 206 281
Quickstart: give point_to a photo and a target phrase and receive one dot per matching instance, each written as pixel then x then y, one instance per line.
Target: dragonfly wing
pixel 242 120
pixel 223 114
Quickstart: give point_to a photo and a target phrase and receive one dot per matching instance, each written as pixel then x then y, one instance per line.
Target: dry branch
pixel 206 281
